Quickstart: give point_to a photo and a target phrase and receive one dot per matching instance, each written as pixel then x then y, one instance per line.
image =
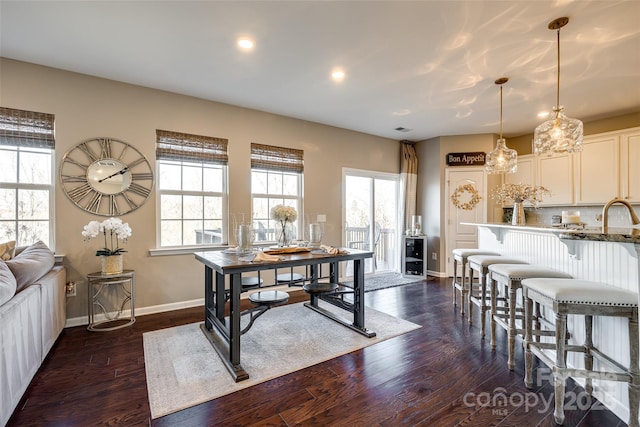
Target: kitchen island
pixel 589 254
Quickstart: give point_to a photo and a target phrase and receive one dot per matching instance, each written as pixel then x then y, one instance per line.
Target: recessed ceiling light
pixel 543 114
pixel 245 43
pixel 338 74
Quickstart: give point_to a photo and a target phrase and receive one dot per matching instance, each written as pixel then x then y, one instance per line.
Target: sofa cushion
pixel 30 264
pixel 7 283
pixel 7 250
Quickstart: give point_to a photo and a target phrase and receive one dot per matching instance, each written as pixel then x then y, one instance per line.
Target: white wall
pixel 87 107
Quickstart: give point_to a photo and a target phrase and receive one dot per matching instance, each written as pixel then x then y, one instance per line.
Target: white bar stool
pixel 582 297
pixel 460 255
pixel 478 294
pixel 509 277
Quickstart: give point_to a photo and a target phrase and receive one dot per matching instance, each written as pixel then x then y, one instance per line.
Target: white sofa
pixel 30 320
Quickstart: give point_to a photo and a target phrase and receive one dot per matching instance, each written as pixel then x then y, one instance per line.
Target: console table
pixel 98 284
pixel 224 333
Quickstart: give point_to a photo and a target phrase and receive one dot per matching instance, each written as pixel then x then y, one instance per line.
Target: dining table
pixel 223 287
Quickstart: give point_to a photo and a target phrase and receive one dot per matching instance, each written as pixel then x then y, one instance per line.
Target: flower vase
pixel 284 235
pixel 111 264
pixel 518 217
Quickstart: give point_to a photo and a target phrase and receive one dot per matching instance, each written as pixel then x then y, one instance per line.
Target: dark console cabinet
pixel 414 261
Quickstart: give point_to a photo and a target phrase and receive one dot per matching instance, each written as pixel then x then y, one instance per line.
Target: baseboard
pixel 436 273
pixel 84 320
pixel 141 311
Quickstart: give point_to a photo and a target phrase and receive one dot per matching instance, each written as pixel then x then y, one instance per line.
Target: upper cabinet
pixel 630 165
pixel 607 168
pixel 556 174
pixel 525 173
pixel 598 169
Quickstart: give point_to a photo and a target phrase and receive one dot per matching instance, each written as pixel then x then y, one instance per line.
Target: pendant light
pixel 502 159
pixel 560 134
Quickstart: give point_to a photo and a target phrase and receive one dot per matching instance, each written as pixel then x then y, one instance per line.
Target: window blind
pixel 188 147
pixel 277 158
pixel 26 128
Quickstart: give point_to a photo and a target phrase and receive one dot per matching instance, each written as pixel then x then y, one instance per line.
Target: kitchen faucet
pixel 605 213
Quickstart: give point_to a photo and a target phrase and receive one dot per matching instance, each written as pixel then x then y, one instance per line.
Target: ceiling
pixel 426 66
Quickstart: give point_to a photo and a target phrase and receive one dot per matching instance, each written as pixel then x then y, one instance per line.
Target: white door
pixel 468 184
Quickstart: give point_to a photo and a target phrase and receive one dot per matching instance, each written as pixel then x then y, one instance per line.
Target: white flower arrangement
pixel 519 193
pixel 115 228
pixel 283 214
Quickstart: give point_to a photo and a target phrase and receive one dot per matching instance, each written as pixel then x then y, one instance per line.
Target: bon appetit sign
pixel 466 159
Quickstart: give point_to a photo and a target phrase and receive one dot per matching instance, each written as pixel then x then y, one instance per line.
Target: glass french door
pixel 370 211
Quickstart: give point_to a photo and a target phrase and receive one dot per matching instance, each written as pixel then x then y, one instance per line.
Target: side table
pixel 98 284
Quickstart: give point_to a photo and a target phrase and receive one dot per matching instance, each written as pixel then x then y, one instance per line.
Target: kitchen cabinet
pixel 597 169
pixel 525 173
pixel 630 165
pixel 556 174
pixel 608 167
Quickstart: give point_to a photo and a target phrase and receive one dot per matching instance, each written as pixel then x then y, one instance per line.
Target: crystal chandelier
pixel 502 159
pixel 561 134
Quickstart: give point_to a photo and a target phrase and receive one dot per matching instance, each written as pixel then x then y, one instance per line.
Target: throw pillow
pixel 7 283
pixel 7 250
pixel 30 264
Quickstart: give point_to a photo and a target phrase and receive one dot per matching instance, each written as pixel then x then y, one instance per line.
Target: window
pixel 27 145
pixel 192 189
pixel 276 178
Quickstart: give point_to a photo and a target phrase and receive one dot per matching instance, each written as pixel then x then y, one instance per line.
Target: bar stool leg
pixel 528 338
pixel 469 303
pixel 494 305
pixel 559 373
pixel 537 316
pixel 512 326
pixel 455 279
pixel 634 370
pixel 483 306
pixel 588 356
pixel 464 292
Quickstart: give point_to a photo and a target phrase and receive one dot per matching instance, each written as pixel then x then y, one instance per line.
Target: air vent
pixel 401 129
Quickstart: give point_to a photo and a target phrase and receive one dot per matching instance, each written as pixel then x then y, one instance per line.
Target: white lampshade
pixel 561 134
pixel 502 159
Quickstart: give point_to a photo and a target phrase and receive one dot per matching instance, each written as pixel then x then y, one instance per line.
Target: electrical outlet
pixel 434 256
pixel 70 289
pixel 321 218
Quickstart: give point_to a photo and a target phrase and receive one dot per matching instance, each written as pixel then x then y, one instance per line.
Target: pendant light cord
pixel 558 87
pixel 500 111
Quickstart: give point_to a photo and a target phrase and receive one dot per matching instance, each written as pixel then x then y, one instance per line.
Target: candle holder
pixel 416 225
pixel 571 217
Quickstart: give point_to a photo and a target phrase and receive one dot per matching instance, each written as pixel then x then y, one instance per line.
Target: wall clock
pixel 106 176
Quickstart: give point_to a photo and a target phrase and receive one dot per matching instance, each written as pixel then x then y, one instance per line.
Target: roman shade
pixel 276 158
pixel 26 128
pixel 188 147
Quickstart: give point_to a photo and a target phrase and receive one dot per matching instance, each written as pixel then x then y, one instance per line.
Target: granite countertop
pixel 620 235
pixel 613 234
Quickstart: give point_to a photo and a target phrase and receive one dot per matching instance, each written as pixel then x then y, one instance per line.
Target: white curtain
pixel 408 181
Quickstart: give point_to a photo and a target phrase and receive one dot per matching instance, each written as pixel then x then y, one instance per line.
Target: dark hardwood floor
pixel 442 374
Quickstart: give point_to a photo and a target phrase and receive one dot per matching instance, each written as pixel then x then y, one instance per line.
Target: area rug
pixel 386 280
pixel 183 370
